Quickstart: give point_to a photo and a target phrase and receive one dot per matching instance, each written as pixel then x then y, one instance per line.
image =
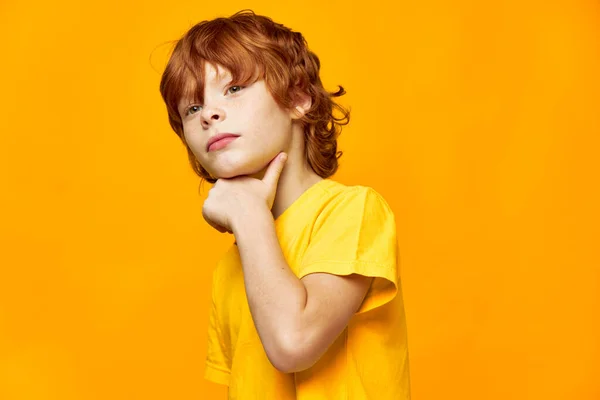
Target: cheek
pixel 193 141
pixel 271 118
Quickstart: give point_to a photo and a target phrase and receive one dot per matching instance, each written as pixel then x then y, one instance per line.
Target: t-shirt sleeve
pixel 356 234
pixel 218 360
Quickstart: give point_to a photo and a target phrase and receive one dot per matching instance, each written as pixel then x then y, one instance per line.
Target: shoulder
pixel 339 192
pixel 355 202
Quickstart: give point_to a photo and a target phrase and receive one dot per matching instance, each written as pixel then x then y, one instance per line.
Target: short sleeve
pixel 356 234
pixel 218 360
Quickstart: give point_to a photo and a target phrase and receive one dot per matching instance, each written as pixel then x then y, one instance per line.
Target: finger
pixel 274 169
pixel 223 229
pixel 219 228
pixel 214 225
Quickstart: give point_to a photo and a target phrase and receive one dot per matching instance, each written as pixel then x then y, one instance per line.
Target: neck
pixel 294 181
pixel 297 176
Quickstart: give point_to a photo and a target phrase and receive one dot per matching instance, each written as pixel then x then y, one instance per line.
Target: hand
pixel 230 199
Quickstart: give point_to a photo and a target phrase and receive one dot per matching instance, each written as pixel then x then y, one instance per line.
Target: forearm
pixel 276 297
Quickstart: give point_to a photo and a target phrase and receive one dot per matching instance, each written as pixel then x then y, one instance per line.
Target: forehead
pixel 213 74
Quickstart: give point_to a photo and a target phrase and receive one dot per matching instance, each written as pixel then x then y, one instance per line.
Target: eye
pixel 234 87
pixel 190 109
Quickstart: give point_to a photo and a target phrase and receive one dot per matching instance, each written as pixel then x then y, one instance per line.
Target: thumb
pixel 274 170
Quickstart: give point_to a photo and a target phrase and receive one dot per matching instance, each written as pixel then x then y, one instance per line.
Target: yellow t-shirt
pixel 340 230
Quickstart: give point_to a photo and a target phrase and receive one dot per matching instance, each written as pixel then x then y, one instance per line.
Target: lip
pixel 218 137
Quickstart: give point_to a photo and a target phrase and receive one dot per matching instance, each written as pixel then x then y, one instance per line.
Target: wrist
pixel 250 219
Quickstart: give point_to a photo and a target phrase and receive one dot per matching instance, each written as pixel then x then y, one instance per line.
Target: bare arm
pixel 297 320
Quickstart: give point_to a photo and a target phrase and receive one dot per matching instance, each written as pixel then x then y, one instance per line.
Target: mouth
pixel 220 141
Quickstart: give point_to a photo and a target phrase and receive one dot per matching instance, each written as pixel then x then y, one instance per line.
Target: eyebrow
pixel 225 76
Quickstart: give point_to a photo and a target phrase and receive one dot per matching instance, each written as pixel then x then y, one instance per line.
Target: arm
pixel 297 320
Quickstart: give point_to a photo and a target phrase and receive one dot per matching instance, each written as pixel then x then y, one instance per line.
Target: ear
pixel 302 106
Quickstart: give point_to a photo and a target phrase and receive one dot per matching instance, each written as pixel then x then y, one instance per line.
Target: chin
pixel 233 168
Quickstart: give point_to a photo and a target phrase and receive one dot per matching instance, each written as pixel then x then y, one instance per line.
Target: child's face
pixel 264 128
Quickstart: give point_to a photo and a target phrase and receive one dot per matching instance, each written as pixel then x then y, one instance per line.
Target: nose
pixel 210 115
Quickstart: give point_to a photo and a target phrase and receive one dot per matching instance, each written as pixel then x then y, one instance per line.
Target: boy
pixel 307 303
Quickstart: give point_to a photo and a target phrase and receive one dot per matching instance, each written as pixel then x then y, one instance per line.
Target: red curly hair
pixel 252 47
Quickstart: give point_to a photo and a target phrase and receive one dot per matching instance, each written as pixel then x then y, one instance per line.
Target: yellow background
pixel 479 122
